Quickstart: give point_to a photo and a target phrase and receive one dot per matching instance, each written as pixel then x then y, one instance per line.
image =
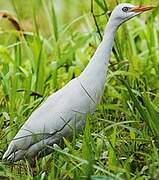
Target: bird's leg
pixel 31 164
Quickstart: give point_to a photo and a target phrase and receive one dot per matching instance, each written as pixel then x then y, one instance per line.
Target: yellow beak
pixel 141 9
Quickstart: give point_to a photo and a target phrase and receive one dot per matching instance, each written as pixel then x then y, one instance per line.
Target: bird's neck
pixel 93 77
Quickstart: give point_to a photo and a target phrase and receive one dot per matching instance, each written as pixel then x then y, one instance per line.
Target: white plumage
pixel 66 110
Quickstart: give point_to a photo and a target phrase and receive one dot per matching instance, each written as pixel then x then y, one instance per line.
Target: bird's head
pixel 126 11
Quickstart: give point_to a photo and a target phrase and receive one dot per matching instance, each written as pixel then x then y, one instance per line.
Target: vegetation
pixel 121 139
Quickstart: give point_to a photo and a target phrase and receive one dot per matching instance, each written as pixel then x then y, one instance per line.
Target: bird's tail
pixel 11 149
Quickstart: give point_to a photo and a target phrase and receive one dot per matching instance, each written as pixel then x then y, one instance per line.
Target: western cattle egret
pixel 66 109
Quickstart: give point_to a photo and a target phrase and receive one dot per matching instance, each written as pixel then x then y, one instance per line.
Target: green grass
pixel 120 141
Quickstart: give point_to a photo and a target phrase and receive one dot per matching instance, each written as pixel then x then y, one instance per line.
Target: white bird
pixel 66 110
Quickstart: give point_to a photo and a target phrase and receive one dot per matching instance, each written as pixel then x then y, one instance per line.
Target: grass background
pixel 120 141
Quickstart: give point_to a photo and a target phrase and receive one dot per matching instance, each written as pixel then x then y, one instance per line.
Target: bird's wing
pixel 53 119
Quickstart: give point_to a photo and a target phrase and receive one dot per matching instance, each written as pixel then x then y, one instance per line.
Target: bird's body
pixel 66 110
pixel 57 117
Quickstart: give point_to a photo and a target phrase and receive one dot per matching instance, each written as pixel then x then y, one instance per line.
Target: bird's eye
pixel 125 9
